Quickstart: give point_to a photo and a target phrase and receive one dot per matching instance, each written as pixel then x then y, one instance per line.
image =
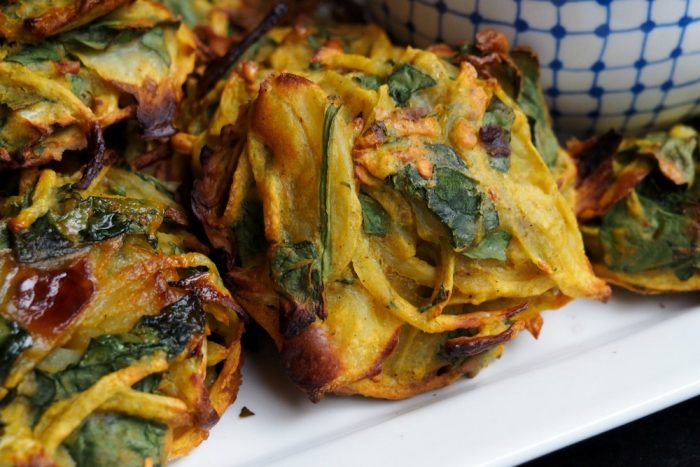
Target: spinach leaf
pixel 406 80
pixel 11 207
pixel 44 395
pixel 158 184
pixel 79 87
pixel 313 42
pixel 149 383
pixel 116 439
pixel 646 236
pixel 533 104
pixel 456 201
pixel 296 270
pixel 492 246
pixel 154 40
pixel 96 37
pixel 125 36
pixel 250 231
pixel 13 340
pixel 489 214
pixel 495 133
pixel 30 54
pixel 8 398
pixel 42 241
pixel 167 332
pixel 325 214
pixel 374 217
pixel 175 324
pixel 4 236
pixel 370 82
pixel 108 218
pixel 671 197
pixel 499 114
pixel 440 297
pixel 185 9
pixel 316 40
pixel 92 219
pixel 452 195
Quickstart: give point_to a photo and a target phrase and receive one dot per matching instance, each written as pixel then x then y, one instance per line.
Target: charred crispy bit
pixel 600 192
pixel 148 158
pixel 211 190
pixel 120 345
pixel 156 108
pixel 373 137
pixel 598 186
pixel 517 72
pixel 591 154
pixel 490 56
pixel 637 203
pixel 310 361
pixel 364 224
pixel 463 347
pixel 494 140
pixel 96 151
pixel 200 285
pixel 491 41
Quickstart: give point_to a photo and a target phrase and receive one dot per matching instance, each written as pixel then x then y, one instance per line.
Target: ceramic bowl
pixel 632 65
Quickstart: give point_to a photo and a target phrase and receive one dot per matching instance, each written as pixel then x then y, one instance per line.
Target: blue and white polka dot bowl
pixel 632 65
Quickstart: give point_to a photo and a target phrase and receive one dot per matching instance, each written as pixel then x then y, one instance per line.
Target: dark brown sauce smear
pixel 46 301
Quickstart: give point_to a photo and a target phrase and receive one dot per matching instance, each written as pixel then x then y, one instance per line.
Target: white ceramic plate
pixel 594 367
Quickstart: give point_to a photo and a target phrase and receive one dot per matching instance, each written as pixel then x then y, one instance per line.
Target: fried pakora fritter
pixel 120 344
pixel 386 215
pixel 638 202
pixel 59 94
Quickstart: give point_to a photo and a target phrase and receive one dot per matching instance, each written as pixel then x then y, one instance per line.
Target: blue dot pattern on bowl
pixel 654 52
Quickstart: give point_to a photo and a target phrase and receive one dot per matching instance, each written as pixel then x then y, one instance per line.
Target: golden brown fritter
pixel 59 94
pixel 638 202
pixel 388 220
pixel 120 344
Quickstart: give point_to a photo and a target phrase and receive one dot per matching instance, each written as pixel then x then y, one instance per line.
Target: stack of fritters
pixel 390 216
